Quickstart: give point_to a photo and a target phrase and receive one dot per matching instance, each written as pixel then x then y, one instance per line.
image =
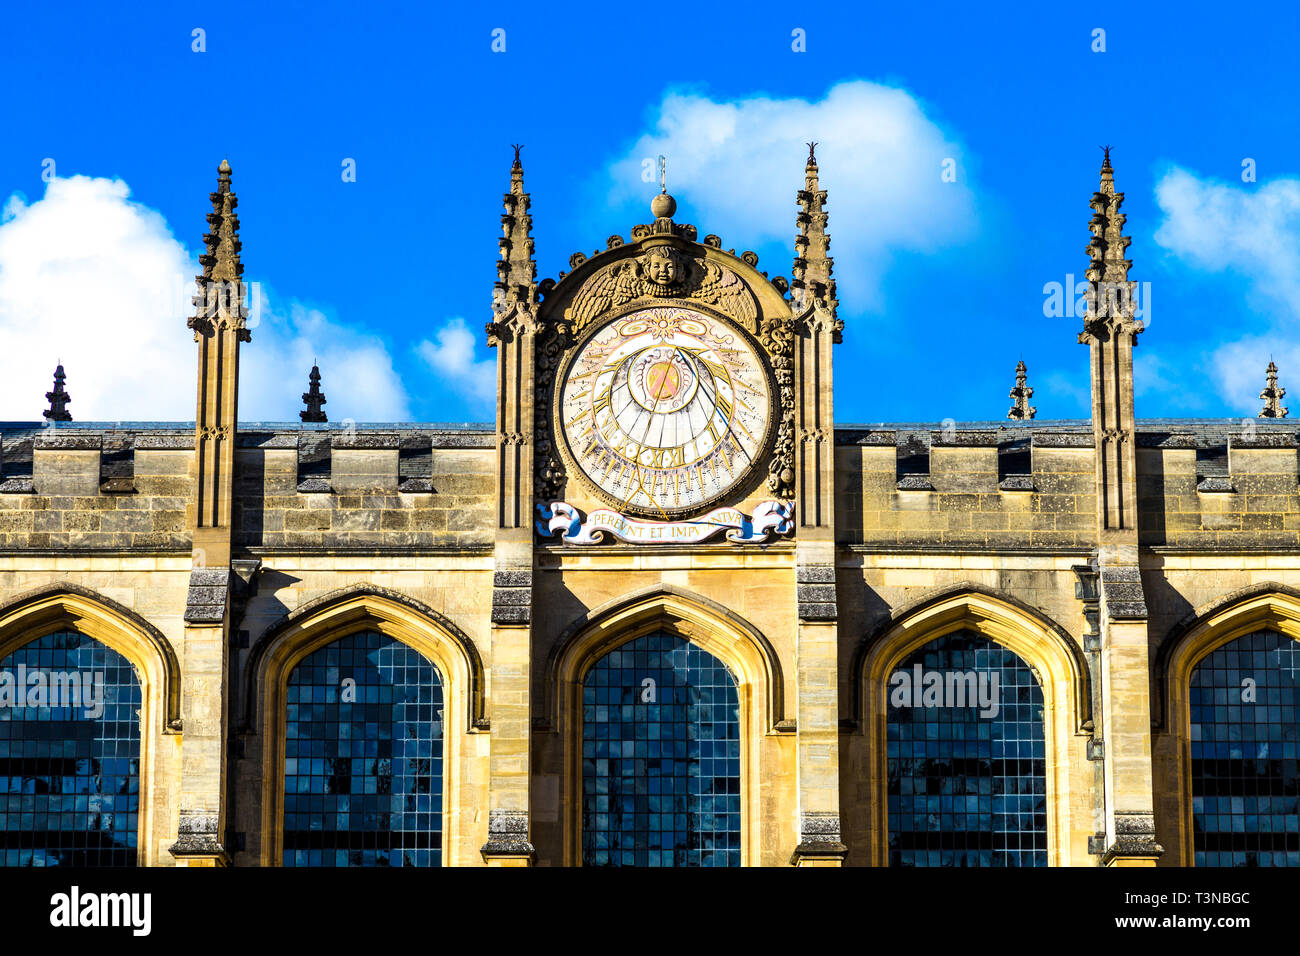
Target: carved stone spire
pixel 1272 396
pixel 806 440
pixel 313 398
pixel 58 399
pixel 220 297
pixel 1022 393
pixel 812 283
pixel 1111 293
pixel 513 332
pixel 1110 330
pixel 220 325
pixel 517 270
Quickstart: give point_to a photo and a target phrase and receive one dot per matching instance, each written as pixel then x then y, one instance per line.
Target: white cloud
pixel 100 282
pixel 735 167
pixel 454 358
pixel 1252 231
pixel 1239 367
pixel 357 374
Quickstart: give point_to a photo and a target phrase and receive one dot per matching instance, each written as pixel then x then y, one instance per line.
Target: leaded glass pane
pixel 1245 772
pixel 660 757
pixel 70 757
pixel 965 757
pixel 363 756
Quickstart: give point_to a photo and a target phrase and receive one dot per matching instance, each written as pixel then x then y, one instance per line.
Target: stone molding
pixel 208 595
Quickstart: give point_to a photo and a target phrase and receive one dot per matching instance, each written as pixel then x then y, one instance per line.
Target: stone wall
pixel 65 489
pixel 361 497
pixel 1219 487
pixel 963 496
pixel 409 509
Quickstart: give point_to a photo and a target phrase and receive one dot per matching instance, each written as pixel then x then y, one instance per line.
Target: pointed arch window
pixel 1245 763
pixel 661 757
pixel 965 757
pixel 363 756
pixel 69 754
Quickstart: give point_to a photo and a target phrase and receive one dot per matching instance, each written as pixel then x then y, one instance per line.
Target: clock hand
pixel 730 430
pixel 637 460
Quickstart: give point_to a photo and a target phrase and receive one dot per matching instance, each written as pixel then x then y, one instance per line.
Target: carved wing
pixel 724 290
pixel 607 289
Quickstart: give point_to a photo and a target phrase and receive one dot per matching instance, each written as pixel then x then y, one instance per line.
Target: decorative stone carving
pixel 1135 835
pixel 819 837
pixel 205 601
pixel 214 431
pixel 663 272
pixel 313 398
pixel 1021 395
pixel 811 284
pixel 516 268
pixel 819 827
pixel 769 518
pixel 777 337
pixel 219 300
pixel 1110 314
pixel 507 835
pixel 197 836
pixel 58 399
pixel 1272 395
pixel 1121 590
pixel 549 474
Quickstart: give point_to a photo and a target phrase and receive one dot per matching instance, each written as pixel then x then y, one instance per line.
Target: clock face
pixel 665 410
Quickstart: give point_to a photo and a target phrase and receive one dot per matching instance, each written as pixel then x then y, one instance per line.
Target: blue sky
pixel 388 280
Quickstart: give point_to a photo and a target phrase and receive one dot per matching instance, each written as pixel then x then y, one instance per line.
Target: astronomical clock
pixel 664 387
pixel 665 410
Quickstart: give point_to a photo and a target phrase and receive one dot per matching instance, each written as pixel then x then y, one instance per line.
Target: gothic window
pixel 660 757
pixel 965 757
pixel 69 754
pixel 363 756
pixel 1245 703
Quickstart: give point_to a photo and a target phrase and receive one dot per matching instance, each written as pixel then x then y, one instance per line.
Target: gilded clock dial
pixel 665 410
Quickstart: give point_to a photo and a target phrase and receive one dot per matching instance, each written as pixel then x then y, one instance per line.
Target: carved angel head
pixel 662 267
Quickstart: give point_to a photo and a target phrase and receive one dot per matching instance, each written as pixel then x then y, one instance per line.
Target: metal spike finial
pixel 517 147
pixel 812 154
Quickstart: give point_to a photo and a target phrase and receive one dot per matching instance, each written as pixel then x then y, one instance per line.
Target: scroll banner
pixel 770 518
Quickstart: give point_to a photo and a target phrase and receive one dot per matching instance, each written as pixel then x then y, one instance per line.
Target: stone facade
pixel 1108 554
